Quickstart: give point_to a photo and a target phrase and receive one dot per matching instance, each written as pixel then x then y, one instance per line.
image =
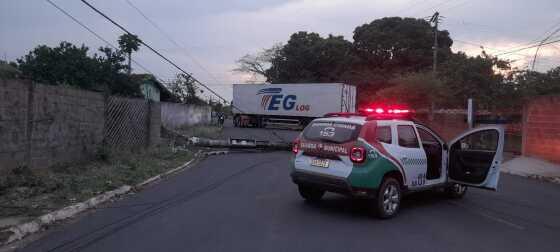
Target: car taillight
pixel 358 154
pixel 295 146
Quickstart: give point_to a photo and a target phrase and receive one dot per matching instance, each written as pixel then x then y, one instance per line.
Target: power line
pixel 540 44
pixel 528 47
pixel 96 35
pixel 170 39
pixel 154 51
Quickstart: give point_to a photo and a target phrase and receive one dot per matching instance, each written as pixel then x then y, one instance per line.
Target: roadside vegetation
pixel 204 131
pixel 25 192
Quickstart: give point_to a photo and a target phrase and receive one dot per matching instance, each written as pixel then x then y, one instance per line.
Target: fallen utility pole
pixel 238 143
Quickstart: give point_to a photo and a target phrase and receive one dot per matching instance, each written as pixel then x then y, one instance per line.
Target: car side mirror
pixel 445 147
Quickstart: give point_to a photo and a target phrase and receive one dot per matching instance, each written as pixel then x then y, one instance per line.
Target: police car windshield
pixel 336 132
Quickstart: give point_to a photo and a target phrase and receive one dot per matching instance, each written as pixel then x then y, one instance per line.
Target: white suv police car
pixel 383 155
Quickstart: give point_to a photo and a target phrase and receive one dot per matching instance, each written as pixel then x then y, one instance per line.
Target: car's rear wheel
pixel 310 193
pixel 388 200
pixel 456 191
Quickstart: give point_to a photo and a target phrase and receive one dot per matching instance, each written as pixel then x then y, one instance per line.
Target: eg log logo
pixel 273 99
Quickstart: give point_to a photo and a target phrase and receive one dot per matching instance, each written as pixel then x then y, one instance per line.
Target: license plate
pixel 320 163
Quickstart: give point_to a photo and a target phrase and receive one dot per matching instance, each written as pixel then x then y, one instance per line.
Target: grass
pixel 35 192
pixel 205 131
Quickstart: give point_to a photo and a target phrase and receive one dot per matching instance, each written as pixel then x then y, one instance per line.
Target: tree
pixel 524 85
pixel 66 64
pixel 306 57
pixel 185 90
pixel 417 90
pixel 399 45
pixel 69 65
pixel 8 70
pixel 129 43
pixel 258 64
pixel 475 77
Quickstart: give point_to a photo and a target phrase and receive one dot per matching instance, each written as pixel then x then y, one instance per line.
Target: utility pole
pixel 435 21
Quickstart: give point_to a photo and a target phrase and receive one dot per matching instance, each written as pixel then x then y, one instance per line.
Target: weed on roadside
pixel 28 192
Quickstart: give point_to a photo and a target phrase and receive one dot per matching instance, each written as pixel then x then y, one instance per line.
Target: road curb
pixel 20 231
pixel 555 180
pixel 165 174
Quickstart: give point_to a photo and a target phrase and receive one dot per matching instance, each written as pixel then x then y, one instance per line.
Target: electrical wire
pixel 156 52
pixel 99 36
pixel 540 44
pixel 162 56
pixel 527 47
pixel 173 41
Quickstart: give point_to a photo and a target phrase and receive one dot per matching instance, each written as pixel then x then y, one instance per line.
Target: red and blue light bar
pixel 378 112
pixel 373 113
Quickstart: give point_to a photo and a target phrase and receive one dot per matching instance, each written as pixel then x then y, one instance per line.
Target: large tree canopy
pixel 381 50
pixel 397 44
pixel 307 57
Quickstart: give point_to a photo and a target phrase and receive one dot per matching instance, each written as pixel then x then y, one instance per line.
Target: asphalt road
pixel 247 202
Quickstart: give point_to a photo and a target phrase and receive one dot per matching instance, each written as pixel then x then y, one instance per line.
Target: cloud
pixel 217 33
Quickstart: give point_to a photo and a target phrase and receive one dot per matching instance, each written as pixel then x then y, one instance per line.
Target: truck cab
pixel 384 155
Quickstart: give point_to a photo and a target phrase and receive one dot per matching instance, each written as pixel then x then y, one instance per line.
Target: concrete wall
pixel 541 128
pixel 174 115
pixel 42 125
pixel 13 123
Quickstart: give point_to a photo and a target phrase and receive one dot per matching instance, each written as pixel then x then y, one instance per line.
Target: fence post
pixel 148 123
pixel 29 129
pixel 104 145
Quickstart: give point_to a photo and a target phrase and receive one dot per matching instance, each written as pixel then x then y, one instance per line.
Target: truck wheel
pixel 388 200
pixel 456 191
pixel 310 194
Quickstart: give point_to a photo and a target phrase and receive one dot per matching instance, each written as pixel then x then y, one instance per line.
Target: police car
pixel 382 154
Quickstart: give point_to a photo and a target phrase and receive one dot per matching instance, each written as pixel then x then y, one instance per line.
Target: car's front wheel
pixel 388 200
pixel 310 194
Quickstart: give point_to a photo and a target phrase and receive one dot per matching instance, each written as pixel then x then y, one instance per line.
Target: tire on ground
pixel 388 201
pixel 310 194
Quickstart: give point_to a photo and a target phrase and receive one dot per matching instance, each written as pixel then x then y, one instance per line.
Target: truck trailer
pixel 262 105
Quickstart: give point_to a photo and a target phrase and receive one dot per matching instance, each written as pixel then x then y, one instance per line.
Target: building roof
pixel 166 95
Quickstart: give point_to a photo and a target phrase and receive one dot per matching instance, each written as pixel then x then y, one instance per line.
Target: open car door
pixel 475 157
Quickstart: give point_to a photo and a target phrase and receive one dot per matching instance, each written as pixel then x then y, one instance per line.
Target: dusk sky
pixel 214 34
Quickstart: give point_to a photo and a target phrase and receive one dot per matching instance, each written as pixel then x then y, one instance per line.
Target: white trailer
pixel 259 105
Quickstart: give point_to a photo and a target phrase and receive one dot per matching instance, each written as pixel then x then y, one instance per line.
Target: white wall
pixel 175 115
